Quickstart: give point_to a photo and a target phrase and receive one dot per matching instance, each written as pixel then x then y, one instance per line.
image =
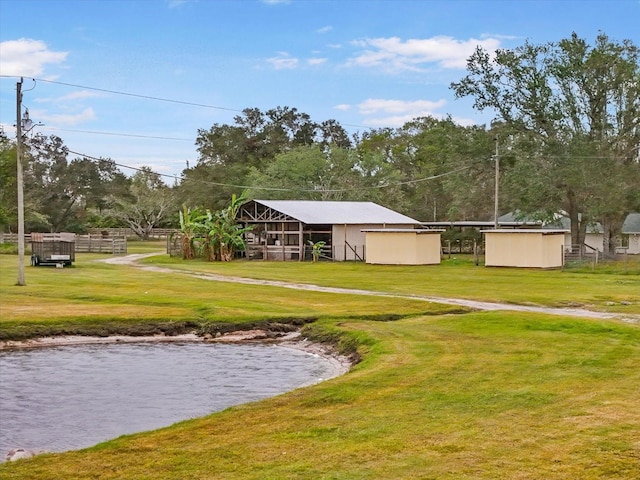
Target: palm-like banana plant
pixel 191 226
pixel 316 249
pixel 223 236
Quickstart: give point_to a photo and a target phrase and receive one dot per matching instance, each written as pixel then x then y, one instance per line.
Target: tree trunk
pixel 611 228
pixel 577 230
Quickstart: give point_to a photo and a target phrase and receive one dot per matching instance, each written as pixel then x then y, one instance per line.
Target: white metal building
pixel 283 228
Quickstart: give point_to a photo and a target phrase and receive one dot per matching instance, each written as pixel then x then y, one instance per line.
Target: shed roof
pixel 520 231
pixel 345 213
pixel 413 231
pixel 631 224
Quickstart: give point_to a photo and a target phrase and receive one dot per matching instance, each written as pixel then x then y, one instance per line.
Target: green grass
pixel 94 298
pixel 439 393
pixel 458 277
pixel 477 396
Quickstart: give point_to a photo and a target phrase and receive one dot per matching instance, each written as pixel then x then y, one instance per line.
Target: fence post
pixel 475 252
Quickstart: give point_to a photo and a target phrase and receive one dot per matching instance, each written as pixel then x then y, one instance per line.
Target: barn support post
pixel 344 259
pixel 265 250
pixel 300 243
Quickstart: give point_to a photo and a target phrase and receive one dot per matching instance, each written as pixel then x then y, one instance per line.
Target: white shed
pixel 533 248
pixel 403 246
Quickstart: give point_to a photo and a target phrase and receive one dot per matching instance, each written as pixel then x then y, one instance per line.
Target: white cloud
pixel 74 96
pixel 343 107
pixel 175 3
pixel 276 2
pixel 464 121
pixel 27 57
pixel 373 105
pixel 283 61
pixel 395 55
pixel 500 36
pixel 326 29
pixel 316 61
pixel 68 119
pixel 395 113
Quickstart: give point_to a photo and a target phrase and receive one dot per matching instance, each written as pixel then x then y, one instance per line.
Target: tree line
pixel 566 127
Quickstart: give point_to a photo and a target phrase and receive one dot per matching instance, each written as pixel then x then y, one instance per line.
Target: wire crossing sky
pixel 134 80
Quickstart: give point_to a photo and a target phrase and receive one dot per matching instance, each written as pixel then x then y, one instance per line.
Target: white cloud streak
pixel 72 97
pixel 27 57
pixel 176 3
pixel 395 55
pixel 317 61
pixel 283 61
pixel 69 119
pixel 395 113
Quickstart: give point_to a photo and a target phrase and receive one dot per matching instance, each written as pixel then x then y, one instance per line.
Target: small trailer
pixel 57 249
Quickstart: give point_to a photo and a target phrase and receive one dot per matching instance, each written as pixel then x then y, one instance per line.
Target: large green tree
pixel 316 173
pixel 447 169
pixel 573 111
pixel 228 153
pixel 63 194
pixel 149 203
pixel 8 188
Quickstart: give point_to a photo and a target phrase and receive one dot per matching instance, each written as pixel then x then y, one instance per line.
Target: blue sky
pixel 364 63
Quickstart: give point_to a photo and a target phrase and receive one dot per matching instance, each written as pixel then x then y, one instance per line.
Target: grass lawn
pixel 607 288
pixel 95 298
pixel 470 395
pixel 481 395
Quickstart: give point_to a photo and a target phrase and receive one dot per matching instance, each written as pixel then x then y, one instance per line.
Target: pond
pixel 63 398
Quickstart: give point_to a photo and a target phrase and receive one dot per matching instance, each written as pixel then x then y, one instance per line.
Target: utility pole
pixel 497 188
pixel 20 184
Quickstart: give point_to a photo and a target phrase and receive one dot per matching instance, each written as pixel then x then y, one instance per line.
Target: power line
pixel 150 97
pixel 115 134
pixel 136 95
pixel 276 189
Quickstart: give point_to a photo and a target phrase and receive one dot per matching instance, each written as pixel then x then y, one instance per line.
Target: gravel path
pixel 473 304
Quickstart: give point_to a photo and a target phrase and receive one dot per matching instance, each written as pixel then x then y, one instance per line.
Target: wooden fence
pixel 127 232
pixel 84 243
pixel 100 244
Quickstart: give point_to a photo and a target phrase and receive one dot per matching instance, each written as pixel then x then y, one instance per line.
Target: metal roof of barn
pixel 631 223
pixel 341 213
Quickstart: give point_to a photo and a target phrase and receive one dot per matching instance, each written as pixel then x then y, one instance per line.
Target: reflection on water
pixel 72 397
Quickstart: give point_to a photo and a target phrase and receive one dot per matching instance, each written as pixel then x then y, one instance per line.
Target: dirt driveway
pixel 131 260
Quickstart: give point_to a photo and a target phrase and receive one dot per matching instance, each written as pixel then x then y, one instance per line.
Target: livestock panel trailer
pixel 57 249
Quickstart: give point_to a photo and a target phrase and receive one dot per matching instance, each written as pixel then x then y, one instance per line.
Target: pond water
pixel 64 398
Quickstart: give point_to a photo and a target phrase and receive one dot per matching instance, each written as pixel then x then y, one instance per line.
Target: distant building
pixel 283 229
pixel 630 241
pixel 594 237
